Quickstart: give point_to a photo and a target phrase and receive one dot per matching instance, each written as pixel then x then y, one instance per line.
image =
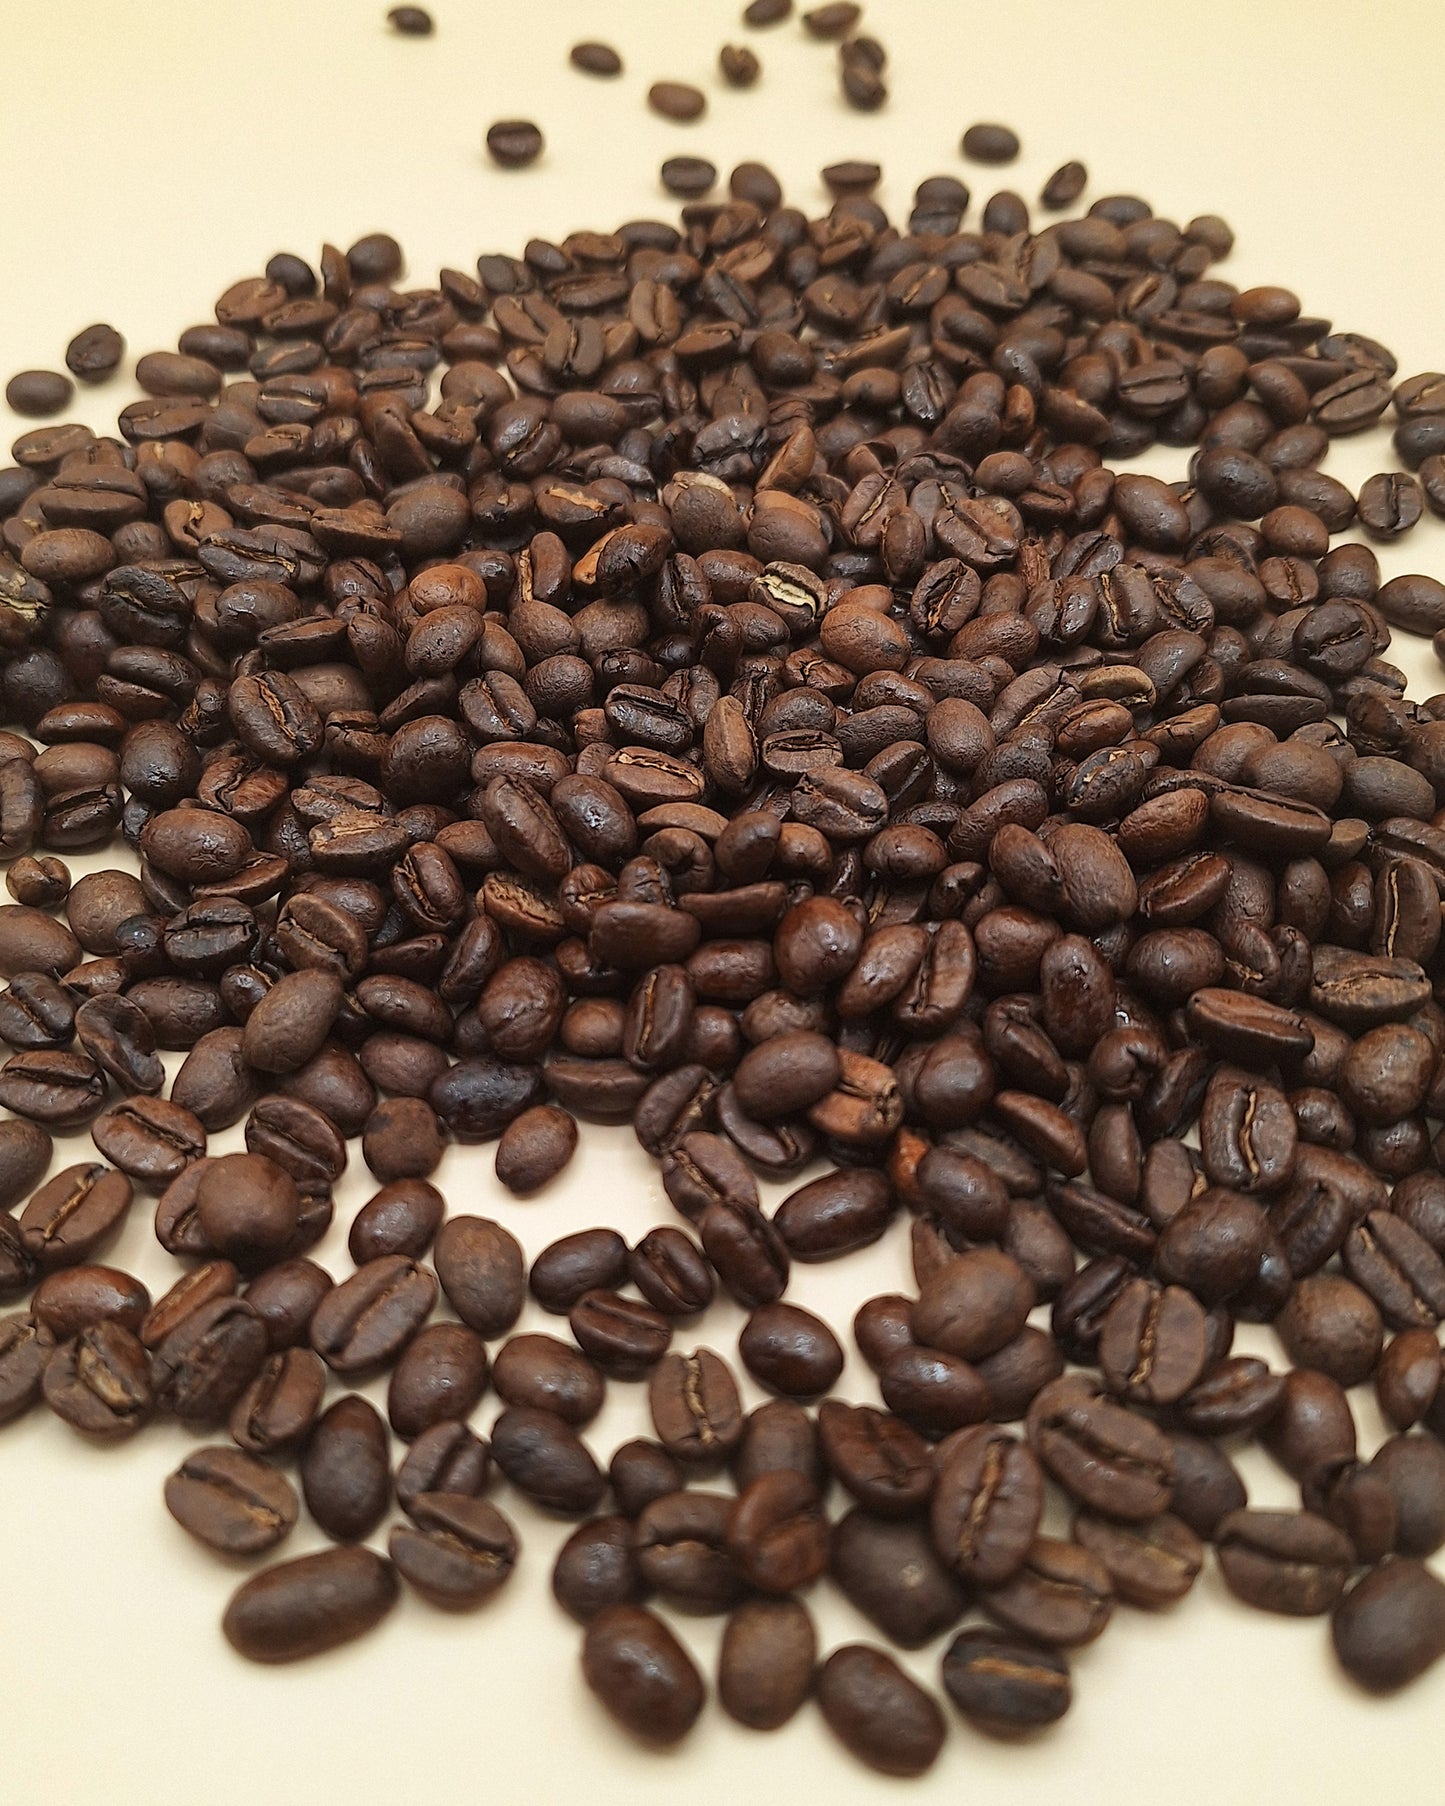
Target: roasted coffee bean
pixel 596 1568
pixel 543 1373
pixel 642 1674
pixel 1060 1594
pixel 1151 1564
pixel 765 1662
pixel 695 1407
pixel 456 1552
pixel 25 1151
pixel 891 1572
pixel 595 59
pixel 975 1304
pixel 483 1273
pixel 1390 1627
pixel 441 1374
pixel 448 1458
pixel 401 1218
pixel 276 1412
pixel 1284 1561
pixel 544 1458
pixel 26 1345
pixel 1006 1685
pixel 74 1298
pixel 877 1712
pixel 100 1383
pixel 676 100
pixel 534 1147
pixel 74 1215
pixel 285 1298
pixel 367 1320
pixel 986 1505
pixel 789 1350
pixel 1413 1470
pixel 231 1502
pixel 1109 1459
pixel 778 1533
pixel 307 1606
pixel 680 1543
pixel 514 143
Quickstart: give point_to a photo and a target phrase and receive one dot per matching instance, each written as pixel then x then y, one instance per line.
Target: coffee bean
pixel 482 1272
pixel 892 1573
pixel 987 1504
pixel 544 1458
pixel 25 1151
pixel 447 1458
pixel 1006 1685
pixel 883 1463
pixel 411 21
pixel 100 1383
pixel 739 67
pixel 676 100
pixel 535 1147
pixel 596 1568
pixel 231 1502
pixel 541 1372
pixel 1282 1561
pixel 94 353
pixel 765 1662
pixel 38 392
pixel 789 1350
pixel 695 1407
pixel 1109 1459
pixel 1390 1627
pixel 457 1551
pixel 877 1712
pixel 595 59
pixel 642 1674
pixel 367 1320
pixel 990 144
pixel 307 1606
pixel 514 143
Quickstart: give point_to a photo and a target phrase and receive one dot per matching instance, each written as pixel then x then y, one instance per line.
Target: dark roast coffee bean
pixel 546 1374
pixel 1060 1594
pixel 987 1504
pixel 366 1321
pixel 74 1215
pixel 514 143
pixel 596 1568
pixel 482 1272
pixel 447 1458
pixel 695 1407
pixel 789 1350
pixel 25 1150
pixel 75 1298
pixel 534 1147
pixel 440 1374
pixel 100 1383
pixel 276 1412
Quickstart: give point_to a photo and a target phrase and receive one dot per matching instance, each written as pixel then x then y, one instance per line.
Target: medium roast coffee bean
pixel 1390 1627
pixel 642 1674
pixel 100 1383
pixel 309 1605
pixel 544 1458
pixel 456 1552
pixel 789 1350
pixel 766 1661
pixel 878 1712
pixel 892 1573
pixel 695 1407
pixel 482 1272
pixel 231 1502
pixel 1006 1685
pixel 1284 1561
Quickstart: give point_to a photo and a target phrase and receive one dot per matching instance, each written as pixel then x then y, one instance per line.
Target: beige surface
pixel 151 153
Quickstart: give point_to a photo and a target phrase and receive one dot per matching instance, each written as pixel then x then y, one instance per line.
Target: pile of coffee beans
pixel 744 701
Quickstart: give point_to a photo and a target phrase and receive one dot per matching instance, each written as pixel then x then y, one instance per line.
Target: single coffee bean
pixel 1284 1561
pixel 595 59
pixel 891 1572
pixel 987 1504
pixel 642 1674
pixel 777 1533
pixel 1151 1564
pixel 456 1552
pixel 1061 1594
pixel 1107 1458
pixel 277 1411
pixel 877 1712
pixel 285 1298
pixel 765 1662
pixel 447 1458
pixel 543 1373
pixel 1390 1627
pixel 231 1502
pixel 534 1147
pixel 366 1321
pixel 25 1151
pixel 307 1606
pixel 74 1215
pixel 410 21
pixel 514 143
pixel 100 1383
pixel 75 1298
pixel 544 1458
pixel 1006 1685
pixel 677 100
pixel 440 1374
pixel 789 1350
pixel 596 1568
pixel 25 1349
pixel 207 1360
pixel 883 1463
pixel 345 1470
pixel 483 1273
pixel 990 144
pixel 695 1407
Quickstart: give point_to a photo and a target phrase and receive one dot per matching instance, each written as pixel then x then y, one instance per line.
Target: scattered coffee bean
pixel 595 59
pixel 514 143
pixel 677 100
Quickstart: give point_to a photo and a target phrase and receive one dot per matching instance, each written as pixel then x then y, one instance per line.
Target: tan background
pixel 153 152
